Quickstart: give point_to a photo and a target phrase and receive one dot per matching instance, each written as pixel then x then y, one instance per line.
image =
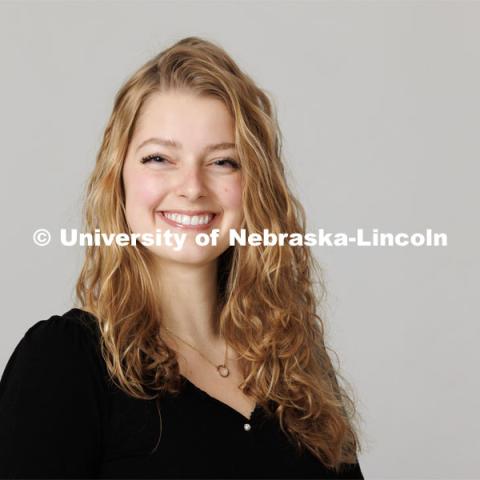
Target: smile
pixel 197 221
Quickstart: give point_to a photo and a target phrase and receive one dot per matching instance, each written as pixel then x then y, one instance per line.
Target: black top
pixel 62 417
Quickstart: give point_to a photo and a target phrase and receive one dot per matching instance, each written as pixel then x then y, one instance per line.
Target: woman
pixel 193 362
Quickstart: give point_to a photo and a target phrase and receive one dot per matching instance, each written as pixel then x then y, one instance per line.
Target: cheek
pixel 142 191
pixel 232 195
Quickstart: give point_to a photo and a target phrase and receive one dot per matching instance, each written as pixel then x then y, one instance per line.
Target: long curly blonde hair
pixel 267 301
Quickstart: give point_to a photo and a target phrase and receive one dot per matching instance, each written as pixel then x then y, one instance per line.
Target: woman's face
pixel 191 179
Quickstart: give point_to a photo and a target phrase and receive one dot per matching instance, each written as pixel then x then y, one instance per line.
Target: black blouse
pixel 62 417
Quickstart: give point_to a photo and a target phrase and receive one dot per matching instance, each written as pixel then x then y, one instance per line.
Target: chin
pixel 194 257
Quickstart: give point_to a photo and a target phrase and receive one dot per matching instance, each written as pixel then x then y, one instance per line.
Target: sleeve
pixel 51 404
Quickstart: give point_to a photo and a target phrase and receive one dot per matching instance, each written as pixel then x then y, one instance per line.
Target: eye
pixel 227 161
pixel 154 158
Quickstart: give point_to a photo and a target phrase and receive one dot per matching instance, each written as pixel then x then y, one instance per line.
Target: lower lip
pixel 181 226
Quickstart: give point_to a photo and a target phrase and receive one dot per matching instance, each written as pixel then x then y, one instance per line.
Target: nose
pixel 191 183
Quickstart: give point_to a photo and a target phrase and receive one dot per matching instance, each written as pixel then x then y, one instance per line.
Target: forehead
pixel 185 117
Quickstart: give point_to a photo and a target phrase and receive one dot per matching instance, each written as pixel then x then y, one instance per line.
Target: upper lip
pixel 189 212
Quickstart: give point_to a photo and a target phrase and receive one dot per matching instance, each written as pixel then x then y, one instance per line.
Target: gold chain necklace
pixel 222 369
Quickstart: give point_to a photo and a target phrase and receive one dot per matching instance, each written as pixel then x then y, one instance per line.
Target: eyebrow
pixel 172 143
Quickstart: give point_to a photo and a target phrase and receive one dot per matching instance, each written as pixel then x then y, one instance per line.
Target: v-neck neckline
pixel 209 397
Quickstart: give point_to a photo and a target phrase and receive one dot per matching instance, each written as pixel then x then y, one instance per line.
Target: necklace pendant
pixel 223 370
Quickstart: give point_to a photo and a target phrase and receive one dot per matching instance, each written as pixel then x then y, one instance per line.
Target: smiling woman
pixel 200 362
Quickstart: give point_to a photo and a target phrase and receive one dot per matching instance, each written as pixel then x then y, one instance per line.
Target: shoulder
pixel 75 324
pixel 71 335
pixel 58 347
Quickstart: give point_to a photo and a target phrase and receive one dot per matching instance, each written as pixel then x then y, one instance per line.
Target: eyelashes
pixel 233 163
pixel 158 159
pixel 150 158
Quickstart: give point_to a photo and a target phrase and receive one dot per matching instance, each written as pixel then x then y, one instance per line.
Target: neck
pixel 188 299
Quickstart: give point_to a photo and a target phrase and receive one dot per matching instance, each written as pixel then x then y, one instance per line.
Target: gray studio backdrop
pixel 379 107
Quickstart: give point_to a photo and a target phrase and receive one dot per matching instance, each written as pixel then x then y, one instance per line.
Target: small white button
pixel 247 427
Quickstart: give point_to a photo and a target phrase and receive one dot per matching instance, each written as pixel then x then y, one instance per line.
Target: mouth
pixel 188 221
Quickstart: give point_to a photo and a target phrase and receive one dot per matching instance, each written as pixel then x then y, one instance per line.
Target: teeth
pixel 189 220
